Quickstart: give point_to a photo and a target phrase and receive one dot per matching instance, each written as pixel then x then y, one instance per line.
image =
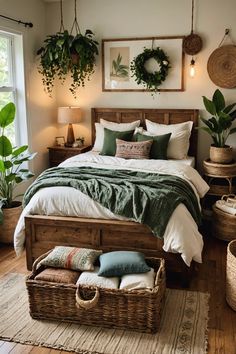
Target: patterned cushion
pixel 71 258
pixel 133 150
pixel 54 275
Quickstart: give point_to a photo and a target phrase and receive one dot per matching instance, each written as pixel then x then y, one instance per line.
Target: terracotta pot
pixel 75 58
pixel 221 154
pixel 10 218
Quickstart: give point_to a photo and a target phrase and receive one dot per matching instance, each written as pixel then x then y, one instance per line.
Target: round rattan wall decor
pixel 221 66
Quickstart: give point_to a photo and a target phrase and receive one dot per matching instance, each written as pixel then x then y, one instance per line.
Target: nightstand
pixel 58 154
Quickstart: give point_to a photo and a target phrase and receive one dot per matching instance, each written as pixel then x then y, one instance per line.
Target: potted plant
pixel 64 54
pixel 12 172
pixel 219 126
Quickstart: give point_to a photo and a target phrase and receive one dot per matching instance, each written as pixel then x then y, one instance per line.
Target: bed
pixel 43 232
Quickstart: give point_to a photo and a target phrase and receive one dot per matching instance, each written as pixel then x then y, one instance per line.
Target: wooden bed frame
pixel 45 232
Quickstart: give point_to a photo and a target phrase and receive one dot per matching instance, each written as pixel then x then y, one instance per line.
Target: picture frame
pixel 60 140
pixel 124 50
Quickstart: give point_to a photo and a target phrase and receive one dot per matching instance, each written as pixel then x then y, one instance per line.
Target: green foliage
pixel 151 81
pixel 222 117
pixel 11 160
pixel 64 54
pixel 120 70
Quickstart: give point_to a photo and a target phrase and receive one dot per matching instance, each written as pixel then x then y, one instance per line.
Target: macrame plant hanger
pixel 62 28
pixel 75 24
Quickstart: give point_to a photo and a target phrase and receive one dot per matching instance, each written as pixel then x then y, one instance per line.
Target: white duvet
pixel 181 234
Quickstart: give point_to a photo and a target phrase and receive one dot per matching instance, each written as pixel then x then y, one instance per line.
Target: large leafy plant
pixel 222 117
pixel 64 54
pixel 11 161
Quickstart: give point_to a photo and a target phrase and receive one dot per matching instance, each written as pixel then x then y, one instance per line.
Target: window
pixel 12 87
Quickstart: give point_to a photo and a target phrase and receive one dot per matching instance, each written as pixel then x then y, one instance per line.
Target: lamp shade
pixel 68 115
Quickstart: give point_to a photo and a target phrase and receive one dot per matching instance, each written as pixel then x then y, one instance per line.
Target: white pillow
pixel 92 279
pixel 179 140
pixel 138 281
pixel 118 127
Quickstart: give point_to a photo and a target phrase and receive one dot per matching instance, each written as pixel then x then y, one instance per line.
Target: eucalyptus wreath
pixel 153 80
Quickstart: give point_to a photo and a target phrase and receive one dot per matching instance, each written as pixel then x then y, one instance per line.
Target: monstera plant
pixel 64 54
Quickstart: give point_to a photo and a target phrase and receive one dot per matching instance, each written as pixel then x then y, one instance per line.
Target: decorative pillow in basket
pixel 71 258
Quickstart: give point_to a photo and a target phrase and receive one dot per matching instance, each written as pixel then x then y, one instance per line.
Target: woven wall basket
pixel 221 66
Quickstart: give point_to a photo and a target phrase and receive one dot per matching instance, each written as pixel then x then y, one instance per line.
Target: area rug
pixel 183 326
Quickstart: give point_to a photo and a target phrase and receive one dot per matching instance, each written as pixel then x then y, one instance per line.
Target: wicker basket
pixel 138 310
pixel 223 225
pixel 231 275
pixel 217 169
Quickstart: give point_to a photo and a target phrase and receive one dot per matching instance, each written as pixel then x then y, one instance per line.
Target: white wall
pixel 138 18
pixel 40 108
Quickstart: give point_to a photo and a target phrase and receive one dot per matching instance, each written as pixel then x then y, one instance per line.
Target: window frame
pixel 17 85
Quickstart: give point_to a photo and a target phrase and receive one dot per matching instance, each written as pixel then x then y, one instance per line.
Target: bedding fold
pixel 147 198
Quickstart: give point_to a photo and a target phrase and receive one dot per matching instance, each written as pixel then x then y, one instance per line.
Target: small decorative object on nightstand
pixel 58 154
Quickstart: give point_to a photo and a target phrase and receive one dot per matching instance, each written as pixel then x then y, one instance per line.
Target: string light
pixel 192 68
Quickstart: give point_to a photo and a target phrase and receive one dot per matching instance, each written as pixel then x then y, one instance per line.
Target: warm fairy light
pixel 192 68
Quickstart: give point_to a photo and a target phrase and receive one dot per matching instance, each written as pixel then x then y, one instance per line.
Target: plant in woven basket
pixel 151 80
pixel 64 53
pixel 220 123
pixel 12 159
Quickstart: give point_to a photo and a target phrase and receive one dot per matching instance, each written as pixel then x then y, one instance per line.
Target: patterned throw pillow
pixel 133 150
pixel 71 258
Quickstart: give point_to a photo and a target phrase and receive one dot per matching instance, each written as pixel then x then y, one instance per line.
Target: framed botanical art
pixel 118 55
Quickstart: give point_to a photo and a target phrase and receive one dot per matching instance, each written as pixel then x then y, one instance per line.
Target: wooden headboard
pixel 163 116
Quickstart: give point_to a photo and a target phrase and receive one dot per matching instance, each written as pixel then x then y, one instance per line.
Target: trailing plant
pixel 12 159
pixel 222 117
pixel 151 80
pixel 64 53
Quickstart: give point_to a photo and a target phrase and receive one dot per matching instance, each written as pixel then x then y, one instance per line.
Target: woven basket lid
pixel 221 66
pixel 192 44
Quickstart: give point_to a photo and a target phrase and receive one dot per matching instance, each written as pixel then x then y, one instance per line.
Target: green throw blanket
pixel 147 198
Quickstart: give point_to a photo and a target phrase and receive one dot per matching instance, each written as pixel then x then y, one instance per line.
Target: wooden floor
pixel 209 277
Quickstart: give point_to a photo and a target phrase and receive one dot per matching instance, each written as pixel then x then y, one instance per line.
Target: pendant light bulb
pixel 192 68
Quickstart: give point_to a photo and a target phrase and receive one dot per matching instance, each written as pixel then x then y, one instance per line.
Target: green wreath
pixel 151 80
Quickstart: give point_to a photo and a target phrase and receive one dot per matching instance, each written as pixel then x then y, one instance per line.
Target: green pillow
pixel 109 143
pixel 159 145
pixel 118 263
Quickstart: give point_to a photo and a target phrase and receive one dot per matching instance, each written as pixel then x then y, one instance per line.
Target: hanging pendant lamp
pixel 192 44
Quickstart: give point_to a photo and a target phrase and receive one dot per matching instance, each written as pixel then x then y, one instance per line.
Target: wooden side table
pixel 58 154
pixel 221 179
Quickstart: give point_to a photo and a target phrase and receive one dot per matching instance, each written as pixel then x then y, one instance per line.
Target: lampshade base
pixel 70 136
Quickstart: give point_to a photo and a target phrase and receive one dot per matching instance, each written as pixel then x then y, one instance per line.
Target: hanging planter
pixel 151 80
pixel 64 53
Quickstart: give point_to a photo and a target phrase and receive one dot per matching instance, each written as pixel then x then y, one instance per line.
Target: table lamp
pixel 69 115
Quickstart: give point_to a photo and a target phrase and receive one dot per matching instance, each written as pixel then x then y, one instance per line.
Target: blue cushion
pixel 118 263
